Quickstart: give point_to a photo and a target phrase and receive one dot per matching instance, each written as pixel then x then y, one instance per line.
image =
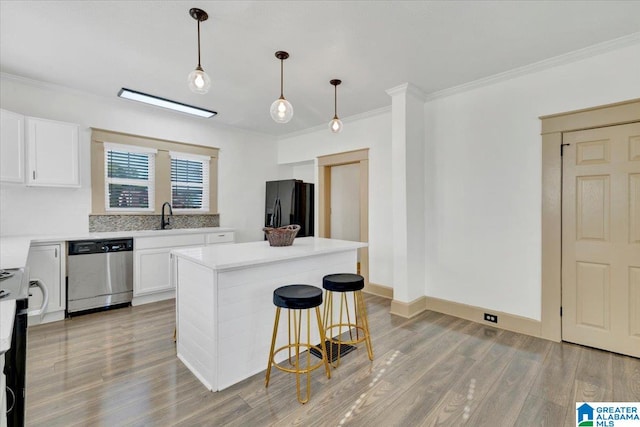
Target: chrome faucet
pixel 164 223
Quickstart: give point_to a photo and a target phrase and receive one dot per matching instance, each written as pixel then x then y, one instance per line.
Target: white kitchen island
pixel 224 301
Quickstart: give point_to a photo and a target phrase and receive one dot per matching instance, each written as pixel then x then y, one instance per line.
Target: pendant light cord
pixel 199 44
pixel 335 101
pixel 281 79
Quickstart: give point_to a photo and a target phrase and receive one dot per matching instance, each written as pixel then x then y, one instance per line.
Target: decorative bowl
pixel 281 236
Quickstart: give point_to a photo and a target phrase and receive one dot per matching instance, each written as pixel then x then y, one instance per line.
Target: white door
pixel 345 202
pixel 601 238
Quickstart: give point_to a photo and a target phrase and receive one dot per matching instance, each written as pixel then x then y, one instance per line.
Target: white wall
pixel 305 171
pixel 482 178
pixel 484 192
pixel 373 132
pixel 246 161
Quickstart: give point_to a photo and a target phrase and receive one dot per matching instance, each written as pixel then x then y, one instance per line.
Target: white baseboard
pixel 408 309
pixel 379 290
pixel 56 316
pixel 507 321
pixel 146 299
pixel 510 322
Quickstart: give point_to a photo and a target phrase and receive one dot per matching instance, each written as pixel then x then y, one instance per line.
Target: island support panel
pixel 225 317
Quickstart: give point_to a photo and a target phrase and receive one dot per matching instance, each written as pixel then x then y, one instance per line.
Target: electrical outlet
pixel 491 318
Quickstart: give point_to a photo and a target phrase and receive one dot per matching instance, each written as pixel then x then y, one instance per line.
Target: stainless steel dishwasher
pixel 100 274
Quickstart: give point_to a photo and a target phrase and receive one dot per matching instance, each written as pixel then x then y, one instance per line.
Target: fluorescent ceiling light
pixel 165 103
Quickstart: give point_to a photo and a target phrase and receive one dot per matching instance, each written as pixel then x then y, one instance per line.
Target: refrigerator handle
pixel 272 220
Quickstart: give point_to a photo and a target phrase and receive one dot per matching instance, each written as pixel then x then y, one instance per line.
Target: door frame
pixel 360 157
pixel 552 128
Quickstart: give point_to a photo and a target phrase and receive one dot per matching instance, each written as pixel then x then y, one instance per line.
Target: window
pixel 133 174
pixel 129 177
pixel 189 181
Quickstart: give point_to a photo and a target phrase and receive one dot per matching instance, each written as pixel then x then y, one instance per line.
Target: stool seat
pixel 297 297
pixel 343 282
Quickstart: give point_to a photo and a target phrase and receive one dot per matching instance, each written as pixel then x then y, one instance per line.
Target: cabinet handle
pixel 55 253
pixel 34 175
pixel 221 235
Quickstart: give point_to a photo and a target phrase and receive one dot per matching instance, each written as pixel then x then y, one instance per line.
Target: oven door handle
pixel 45 298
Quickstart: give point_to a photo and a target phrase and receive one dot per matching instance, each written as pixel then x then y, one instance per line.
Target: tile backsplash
pixel 101 223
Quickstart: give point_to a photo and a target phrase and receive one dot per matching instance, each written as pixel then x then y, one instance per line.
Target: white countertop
pixel 7 313
pixel 15 249
pixel 223 257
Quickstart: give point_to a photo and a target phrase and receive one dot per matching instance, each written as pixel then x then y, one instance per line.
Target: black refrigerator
pixel 290 201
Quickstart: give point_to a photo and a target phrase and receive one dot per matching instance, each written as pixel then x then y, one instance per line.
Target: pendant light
pixel 336 124
pixel 281 109
pixel 199 81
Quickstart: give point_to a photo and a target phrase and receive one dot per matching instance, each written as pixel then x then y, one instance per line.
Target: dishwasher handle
pixel 45 298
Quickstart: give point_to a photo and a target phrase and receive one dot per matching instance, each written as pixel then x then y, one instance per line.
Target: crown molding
pixel 407 88
pixel 545 64
pixel 44 85
pixel 349 119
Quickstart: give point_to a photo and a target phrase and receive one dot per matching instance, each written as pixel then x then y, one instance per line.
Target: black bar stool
pixel 343 283
pixel 296 298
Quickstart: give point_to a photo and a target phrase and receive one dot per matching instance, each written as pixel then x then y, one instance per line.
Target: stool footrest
pixel 332 350
pixel 302 359
pixel 352 334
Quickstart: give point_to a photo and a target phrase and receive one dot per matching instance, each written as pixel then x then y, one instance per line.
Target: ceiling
pixel 151 46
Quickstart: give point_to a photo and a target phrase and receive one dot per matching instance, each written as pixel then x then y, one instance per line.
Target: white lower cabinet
pixel 222 237
pixel 151 270
pixel 46 263
pixel 152 262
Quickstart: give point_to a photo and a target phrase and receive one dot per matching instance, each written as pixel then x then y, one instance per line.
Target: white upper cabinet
pixel 11 147
pixel 53 153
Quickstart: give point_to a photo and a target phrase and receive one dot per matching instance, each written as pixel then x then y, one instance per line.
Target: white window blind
pixel 189 181
pixel 129 177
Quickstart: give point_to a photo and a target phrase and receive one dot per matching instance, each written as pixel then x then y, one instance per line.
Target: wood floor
pixel 119 368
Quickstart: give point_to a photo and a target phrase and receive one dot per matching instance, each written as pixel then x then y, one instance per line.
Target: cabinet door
pixel 222 237
pixel 11 147
pixel 152 269
pixel 53 157
pixel 171 241
pixel 44 264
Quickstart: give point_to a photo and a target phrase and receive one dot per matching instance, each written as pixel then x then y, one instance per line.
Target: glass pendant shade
pixel 199 81
pixel 335 125
pixel 281 111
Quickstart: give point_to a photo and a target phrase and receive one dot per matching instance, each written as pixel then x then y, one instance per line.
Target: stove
pixel 15 285
pixel 5 274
